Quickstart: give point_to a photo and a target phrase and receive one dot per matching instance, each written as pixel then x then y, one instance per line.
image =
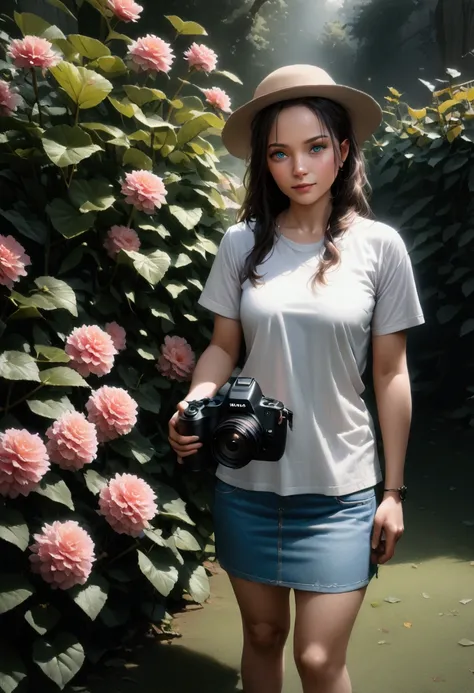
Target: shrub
pixel 112 207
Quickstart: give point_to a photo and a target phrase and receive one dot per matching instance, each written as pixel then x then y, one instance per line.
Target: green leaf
pixel 13 528
pixel 468 287
pixel 36 300
pixel 50 408
pixel 186 28
pixel 12 669
pixel 125 107
pixel 156 536
pixel 148 398
pixel 67 221
pixel 112 65
pixel 137 159
pixel 229 75
pixel 189 218
pixel 14 590
pixel 95 195
pixel 186 540
pixel 159 310
pixel 59 293
pixel 84 87
pixel 153 121
pixel 198 584
pixel 52 354
pixel 53 487
pixel 414 209
pixel 140 447
pixel 88 47
pixel 91 597
pixel 62 376
pixel 143 95
pixel 182 260
pixel 114 132
pixel 192 128
pixel 66 145
pixel 31 228
pixel 152 266
pixel 467 327
pixel 30 24
pixel 15 365
pixel 171 504
pixel 157 569
pixel 43 618
pixel 61 6
pixel 94 481
pixel 447 313
pixel 60 659
pixel 454 163
pixel 174 288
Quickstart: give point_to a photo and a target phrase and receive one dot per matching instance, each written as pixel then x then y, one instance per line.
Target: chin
pixel 304 200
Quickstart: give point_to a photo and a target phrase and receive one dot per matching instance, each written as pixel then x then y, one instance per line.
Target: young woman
pixel 310 282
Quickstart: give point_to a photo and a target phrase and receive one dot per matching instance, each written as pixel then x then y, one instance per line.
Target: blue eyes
pixel 280 156
pixel 319 147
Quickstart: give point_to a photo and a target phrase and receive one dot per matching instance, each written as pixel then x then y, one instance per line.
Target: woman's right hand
pixel 182 445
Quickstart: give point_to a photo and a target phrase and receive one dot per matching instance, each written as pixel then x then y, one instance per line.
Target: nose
pixel 299 167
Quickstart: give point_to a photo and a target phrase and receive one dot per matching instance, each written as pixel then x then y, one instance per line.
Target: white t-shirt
pixel 307 346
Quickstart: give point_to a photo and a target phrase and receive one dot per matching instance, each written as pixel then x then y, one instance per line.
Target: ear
pixel 345 146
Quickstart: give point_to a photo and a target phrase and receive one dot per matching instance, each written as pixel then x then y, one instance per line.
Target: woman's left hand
pixel 388 528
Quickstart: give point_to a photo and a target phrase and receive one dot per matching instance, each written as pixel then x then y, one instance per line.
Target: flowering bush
pixel 111 209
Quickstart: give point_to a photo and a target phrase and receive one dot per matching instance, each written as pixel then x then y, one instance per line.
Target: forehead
pixel 296 123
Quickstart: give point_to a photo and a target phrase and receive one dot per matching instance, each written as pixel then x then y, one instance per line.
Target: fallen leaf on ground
pixel 465 601
pixel 383 642
pixel 413 565
pixel 466 643
pixel 407 624
pixel 425 596
pixel 392 600
pixel 374 605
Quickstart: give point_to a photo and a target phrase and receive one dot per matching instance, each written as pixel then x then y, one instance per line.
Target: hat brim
pixel 364 112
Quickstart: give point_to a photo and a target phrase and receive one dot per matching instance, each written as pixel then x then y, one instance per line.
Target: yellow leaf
pixel 464 95
pixel 446 105
pixel 454 132
pixel 407 624
pixel 396 93
pixel 417 113
pixel 389 98
pixel 441 92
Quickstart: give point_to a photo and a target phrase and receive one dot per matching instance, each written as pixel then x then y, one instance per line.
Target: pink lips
pixel 303 188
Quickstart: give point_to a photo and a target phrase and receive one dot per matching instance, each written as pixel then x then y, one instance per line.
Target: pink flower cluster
pixel 63 554
pixel 201 58
pixel 91 350
pixel 9 101
pixel 113 412
pixel 121 238
pixel 117 334
pixel 13 261
pixel 144 190
pixel 128 504
pixel 150 54
pixel 177 359
pixel 218 98
pixel 23 462
pixel 72 441
pixel 126 10
pixel 33 51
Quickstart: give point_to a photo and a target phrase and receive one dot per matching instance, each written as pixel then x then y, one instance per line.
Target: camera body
pixel 236 426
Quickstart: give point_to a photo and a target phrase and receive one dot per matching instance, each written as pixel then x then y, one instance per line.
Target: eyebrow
pixel 311 139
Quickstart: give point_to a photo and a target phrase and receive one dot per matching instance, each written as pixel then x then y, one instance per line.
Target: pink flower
pixel 128 504
pixel 144 191
pixel 113 412
pixel 150 54
pixel 177 359
pixel 13 261
pixel 33 51
pixel 126 10
pixel 9 101
pixel 117 334
pixel 23 462
pixel 218 98
pixel 63 554
pixel 201 57
pixel 91 350
pixel 121 238
pixel 72 441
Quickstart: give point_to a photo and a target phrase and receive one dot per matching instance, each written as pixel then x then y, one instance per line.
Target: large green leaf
pixel 51 354
pixel 29 227
pixel 228 75
pixel 14 590
pixel 53 487
pixel 137 159
pixel 189 218
pixel 16 365
pixel 12 669
pixel 152 266
pixel 94 481
pixel 61 6
pixel 157 569
pixel 143 95
pixel 62 376
pixel 192 128
pixel 85 87
pixel 91 597
pixel 112 65
pixel 171 505
pixel 198 583
pixel 95 195
pixel 13 528
pixel 30 24
pixel 88 47
pixel 125 107
pixel 148 398
pixel 59 292
pixel 60 659
pixel 186 28
pixel 67 221
pixel 50 408
pixel 42 618
pixel 186 540
pixel 36 300
pixel 66 145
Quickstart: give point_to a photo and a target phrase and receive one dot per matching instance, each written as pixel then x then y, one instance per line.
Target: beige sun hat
pixel 296 81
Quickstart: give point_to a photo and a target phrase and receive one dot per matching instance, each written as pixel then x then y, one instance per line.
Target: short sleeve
pixel 222 291
pixel 397 305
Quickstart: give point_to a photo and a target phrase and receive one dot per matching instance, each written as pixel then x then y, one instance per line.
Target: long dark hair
pixel 264 201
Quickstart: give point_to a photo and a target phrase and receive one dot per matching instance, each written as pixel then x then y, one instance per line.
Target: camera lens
pixel 237 440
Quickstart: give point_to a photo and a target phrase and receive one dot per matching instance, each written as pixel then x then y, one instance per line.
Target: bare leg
pixel 265 612
pixel 323 626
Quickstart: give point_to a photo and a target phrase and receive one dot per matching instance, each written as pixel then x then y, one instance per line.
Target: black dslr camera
pixel 236 426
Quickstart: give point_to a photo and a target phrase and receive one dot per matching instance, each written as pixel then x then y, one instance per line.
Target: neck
pixel 308 221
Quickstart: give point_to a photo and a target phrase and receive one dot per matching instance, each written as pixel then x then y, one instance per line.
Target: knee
pixel 317 662
pixel 266 636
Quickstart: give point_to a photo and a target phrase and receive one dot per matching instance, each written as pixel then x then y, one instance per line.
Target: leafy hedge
pixel 76 154
pixel 422 173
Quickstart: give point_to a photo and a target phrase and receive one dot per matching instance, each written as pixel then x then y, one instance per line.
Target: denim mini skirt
pixel 306 542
